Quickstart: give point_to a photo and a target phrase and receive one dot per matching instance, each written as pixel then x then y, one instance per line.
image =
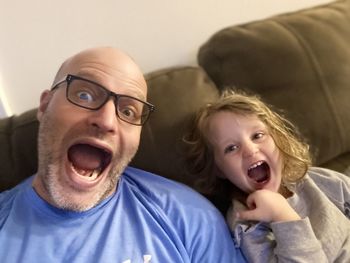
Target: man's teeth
pixel 92 176
pixel 95 173
pixel 256 165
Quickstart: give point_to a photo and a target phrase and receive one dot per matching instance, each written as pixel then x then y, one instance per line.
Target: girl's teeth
pixel 256 165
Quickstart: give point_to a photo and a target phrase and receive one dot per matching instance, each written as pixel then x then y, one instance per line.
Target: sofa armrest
pixel 18 152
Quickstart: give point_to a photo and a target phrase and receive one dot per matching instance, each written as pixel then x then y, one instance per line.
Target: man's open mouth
pixel 259 172
pixel 88 160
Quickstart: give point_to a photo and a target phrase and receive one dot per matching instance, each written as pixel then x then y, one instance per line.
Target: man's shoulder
pixel 13 191
pixel 156 184
pixel 182 211
pixel 164 190
pixel 7 197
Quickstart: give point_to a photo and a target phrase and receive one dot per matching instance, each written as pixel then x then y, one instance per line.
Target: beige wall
pixel 37 35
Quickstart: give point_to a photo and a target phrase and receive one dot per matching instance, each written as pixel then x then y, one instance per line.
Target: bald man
pixel 85 204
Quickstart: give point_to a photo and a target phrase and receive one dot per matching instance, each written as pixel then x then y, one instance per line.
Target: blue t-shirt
pixel 148 219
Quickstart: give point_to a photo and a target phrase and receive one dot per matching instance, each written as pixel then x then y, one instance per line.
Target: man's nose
pixel 105 118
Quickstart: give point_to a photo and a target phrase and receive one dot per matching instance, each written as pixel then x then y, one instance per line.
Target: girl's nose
pixel 250 149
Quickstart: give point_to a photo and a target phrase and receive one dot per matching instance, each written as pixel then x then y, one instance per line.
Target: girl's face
pixel 245 152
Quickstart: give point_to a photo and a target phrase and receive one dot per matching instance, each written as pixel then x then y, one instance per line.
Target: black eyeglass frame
pixel 69 78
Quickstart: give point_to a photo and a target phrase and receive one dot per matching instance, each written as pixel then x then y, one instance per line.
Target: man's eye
pixel 85 96
pixel 231 148
pixel 128 113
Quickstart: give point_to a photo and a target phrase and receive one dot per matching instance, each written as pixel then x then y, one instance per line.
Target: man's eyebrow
pixel 133 91
pixel 87 75
pixel 138 94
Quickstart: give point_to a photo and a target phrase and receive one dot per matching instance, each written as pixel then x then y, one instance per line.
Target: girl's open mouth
pixel 259 172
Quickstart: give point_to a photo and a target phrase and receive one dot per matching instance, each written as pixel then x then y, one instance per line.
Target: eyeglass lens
pixel 88 95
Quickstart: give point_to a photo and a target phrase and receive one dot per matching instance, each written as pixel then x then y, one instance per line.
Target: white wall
pixel 37 35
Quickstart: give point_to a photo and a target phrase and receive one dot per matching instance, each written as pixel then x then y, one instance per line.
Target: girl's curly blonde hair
pixel 200 159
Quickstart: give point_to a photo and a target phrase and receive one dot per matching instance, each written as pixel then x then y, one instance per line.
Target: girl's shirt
pixel 322 200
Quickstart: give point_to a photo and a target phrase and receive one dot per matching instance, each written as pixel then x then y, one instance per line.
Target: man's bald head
pixel 107 60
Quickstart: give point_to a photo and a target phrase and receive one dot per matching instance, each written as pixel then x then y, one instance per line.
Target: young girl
pixel 282 209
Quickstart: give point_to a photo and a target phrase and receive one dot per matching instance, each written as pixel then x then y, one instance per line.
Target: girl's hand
pixel 268 206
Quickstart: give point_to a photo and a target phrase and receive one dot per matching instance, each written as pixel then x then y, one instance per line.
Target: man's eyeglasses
pixel 91 95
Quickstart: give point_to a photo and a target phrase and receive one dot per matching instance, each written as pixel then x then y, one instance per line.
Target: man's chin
pixel 78 202
pixel 64 193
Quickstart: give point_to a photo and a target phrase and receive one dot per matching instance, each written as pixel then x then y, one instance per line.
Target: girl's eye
pixel 258 135
pixel 230 148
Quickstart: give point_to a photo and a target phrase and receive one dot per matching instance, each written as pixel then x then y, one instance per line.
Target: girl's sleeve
pixel 336 187
pixel 280 242
pixel 296 242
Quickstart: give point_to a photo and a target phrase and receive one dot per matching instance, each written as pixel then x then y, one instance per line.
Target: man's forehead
pixel 103 58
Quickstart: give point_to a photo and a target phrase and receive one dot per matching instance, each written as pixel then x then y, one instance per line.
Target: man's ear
pixel 44 102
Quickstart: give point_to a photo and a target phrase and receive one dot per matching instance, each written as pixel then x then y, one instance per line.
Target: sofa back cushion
pixel 300 63
pixel 178 93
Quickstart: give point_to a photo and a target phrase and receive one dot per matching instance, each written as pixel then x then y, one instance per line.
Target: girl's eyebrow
pixel 224 143
pixel 259 125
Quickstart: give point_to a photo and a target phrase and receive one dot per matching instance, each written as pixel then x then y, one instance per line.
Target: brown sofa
pixel 299 62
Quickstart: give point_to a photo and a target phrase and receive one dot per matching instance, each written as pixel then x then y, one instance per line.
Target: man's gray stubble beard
pixel 49 171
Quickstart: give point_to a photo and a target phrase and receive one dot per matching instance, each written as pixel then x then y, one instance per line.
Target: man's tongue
pixel 86 159
pixel 260 173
